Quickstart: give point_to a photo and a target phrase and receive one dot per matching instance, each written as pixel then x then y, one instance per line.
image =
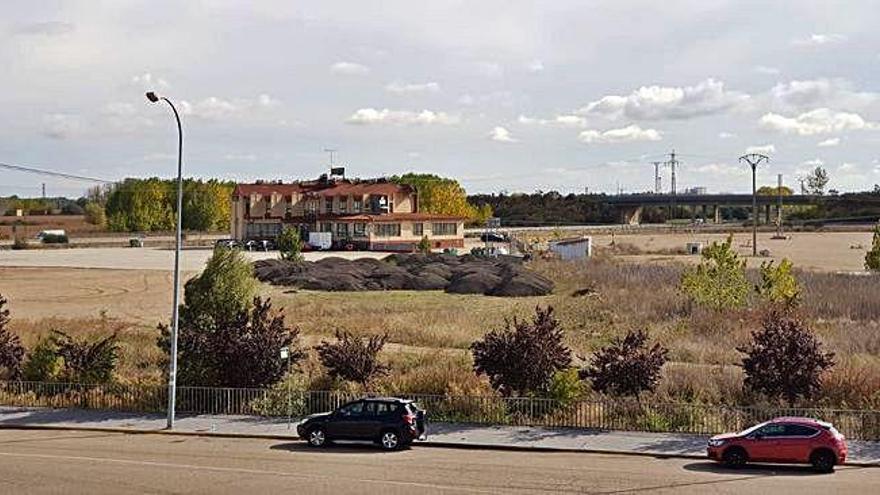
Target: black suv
pixel 390 422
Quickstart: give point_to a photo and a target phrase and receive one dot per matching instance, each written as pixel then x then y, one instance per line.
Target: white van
pixel 55 232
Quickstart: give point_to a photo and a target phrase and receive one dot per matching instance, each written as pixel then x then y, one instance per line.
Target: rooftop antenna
pixel 334 170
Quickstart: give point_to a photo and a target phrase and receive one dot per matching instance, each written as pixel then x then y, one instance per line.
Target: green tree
pixel 719 281
pixel 872 257
pixel 95 214
pixel 774 191
pixel 290 244
pixel 225 287
pixel 817 180
pixel 778 283
pixel 424 245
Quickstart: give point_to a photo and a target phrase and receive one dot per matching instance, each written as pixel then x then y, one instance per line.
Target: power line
pixel 50 173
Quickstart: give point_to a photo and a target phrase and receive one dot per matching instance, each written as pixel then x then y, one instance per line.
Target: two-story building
pixel 361 214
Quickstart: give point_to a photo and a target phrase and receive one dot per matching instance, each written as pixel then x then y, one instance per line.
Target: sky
pixel 502 95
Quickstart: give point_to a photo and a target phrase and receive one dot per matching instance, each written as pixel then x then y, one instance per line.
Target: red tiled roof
pixel 343 188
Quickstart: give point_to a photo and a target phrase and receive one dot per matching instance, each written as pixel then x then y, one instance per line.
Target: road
pixel 103 463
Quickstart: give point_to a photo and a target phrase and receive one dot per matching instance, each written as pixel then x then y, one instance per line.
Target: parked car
pixel 782 440
pixel 493 237
pixel 391 423
pixel 259 245
pixel 227 243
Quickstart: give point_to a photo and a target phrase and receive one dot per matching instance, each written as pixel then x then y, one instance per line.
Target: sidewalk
pixel 440 434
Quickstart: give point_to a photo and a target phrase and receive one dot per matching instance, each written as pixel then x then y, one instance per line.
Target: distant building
pixel 572 249
pixel 361 214
pixel 698 190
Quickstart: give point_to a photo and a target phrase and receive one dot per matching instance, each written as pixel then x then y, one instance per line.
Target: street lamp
pixel 753 159
pixel 172 368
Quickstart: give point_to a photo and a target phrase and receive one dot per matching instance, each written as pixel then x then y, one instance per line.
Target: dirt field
pixel 818 251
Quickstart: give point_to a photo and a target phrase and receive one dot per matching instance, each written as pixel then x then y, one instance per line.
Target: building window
pixel 388 230
pixel 326 227
pixel 357 205
pixel 311 206
pixel 328 205
pixel 343 204
pixel 444 228
pixel 262 230
pixel 341 230
pixel 418 228
pixel 360 229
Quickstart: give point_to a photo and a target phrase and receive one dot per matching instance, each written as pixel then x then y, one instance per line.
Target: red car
pixel 782 440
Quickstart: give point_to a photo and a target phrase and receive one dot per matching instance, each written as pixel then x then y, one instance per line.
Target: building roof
pixel 323 188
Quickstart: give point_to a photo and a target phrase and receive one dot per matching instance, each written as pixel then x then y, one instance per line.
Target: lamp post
pixel 753 159
pixel 172 367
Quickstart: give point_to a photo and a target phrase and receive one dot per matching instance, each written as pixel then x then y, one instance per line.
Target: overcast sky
pixel 503 95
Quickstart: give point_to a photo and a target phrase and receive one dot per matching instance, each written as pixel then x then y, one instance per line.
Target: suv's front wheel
pixel 317 437
pixel 823 461
pixel 390 440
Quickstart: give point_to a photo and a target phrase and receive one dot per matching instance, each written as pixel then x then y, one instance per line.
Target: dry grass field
pixel 429 332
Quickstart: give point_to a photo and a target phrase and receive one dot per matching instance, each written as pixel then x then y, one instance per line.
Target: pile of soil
pixel 503 276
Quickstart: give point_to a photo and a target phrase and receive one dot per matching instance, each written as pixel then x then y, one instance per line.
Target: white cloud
pixel 664 102
pixel 215 108
pixel 349 69
pixel 818 121
pixel 366 116
pixel 726 135
pixel 240 157
pixel 535 66
pixel 411 88
pixel 626 134
pixel 495 98
pixel 820 39
pixel 715 169
pixel 501 135
pixel 822 92
pixel 828 143
pixel 61 125
pixel 491 69
pixel 558 121
pixel 766 70
pixel 847 167
pixel 764 149
pixel 149 82
pixel 815 162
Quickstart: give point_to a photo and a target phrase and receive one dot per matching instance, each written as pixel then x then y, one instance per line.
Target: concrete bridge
pixel 703 205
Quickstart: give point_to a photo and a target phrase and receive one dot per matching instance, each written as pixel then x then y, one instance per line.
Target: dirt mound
pixel 503 276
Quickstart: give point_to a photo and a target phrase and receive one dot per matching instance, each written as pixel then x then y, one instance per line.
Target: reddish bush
pixel 11 350
pixel 627 366
pixel 353 358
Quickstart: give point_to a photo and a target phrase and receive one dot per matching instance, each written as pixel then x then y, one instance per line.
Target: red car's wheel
pixel 734 457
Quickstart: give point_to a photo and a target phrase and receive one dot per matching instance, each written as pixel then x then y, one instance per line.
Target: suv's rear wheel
pixel 390 440
pixel 823 461
pixel 317 437
pixel 734 457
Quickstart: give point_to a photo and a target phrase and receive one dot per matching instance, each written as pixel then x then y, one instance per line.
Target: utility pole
pixel 753 159
pixel 779 234
pixel 44 190
pixel 657 187
pixel 672 163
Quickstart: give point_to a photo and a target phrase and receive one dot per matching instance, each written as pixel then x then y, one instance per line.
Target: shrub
pixel 565 387
pixel 11 350
pixel 43 363
pixel 872 257
pixel 627 366
pixel 778 284
pixel 522 358
pixel 240 351
pixel 784 359
pixel 353 358
pixel 95 214
pixel 719 281
pixel 424 245
pixel 86 361
pixel 290 244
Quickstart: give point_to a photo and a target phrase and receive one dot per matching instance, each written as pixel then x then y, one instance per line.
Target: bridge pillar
pixel 717 209
pixel 631 215
pixel 767 214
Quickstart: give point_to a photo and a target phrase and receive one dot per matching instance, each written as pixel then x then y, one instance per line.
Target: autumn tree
pixel 442 196
pixel 872 257
pixel 627 366
pixel 11 350
pixel 521 358
pixel 778 283
pixel 353 358
pixel 784 359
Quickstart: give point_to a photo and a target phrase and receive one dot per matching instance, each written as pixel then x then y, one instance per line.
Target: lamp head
pixel 152 96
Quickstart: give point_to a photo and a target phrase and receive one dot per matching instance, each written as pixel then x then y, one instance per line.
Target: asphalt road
pixel 103 463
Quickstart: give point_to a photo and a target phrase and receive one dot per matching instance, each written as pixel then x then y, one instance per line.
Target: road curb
pixel 445 445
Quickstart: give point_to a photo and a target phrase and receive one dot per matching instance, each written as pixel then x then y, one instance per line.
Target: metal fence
pixel 593 414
